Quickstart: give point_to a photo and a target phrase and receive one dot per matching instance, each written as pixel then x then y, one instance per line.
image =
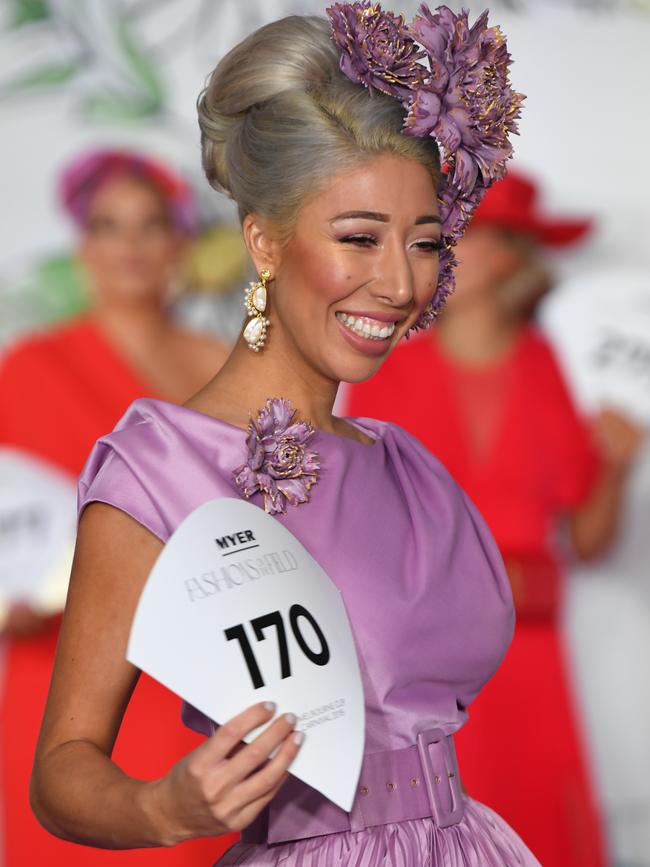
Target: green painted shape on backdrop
pixel 109 107
pixel 27 11
pixel 51 290
pixel 148 94
pixel 47 76
pixel 59 287
pixel 143 69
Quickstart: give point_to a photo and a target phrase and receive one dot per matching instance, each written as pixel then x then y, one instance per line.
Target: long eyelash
pixel 358 239
pixel 430 246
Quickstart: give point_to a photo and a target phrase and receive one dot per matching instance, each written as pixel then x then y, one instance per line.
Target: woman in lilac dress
pixel 350 224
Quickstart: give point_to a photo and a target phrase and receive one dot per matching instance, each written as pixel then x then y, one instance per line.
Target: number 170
pixel 274 618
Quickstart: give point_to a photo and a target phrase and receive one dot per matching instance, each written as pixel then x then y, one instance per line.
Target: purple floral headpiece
pixel 453 81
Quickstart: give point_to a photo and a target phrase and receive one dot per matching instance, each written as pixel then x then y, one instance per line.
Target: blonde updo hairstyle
pixel 278 119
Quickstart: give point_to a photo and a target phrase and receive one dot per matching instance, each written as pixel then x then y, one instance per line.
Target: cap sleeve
pixel 108 478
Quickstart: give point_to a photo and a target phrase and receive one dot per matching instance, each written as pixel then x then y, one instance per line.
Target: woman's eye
pixel 361 240
pixel 430 246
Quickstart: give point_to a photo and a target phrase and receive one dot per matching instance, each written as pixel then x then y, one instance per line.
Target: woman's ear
pixel 262 243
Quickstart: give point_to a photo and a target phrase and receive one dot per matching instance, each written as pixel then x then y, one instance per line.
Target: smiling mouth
pixel 364 326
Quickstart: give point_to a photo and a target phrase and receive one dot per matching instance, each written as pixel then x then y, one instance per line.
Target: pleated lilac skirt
pixel 481 839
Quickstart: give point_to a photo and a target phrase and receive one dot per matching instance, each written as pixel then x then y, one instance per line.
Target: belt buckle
pixel 435 778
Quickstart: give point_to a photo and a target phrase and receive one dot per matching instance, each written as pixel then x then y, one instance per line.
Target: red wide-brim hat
pixel 513 203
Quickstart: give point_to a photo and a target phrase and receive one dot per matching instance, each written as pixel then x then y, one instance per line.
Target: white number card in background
pixel 236 611
pixel 38 525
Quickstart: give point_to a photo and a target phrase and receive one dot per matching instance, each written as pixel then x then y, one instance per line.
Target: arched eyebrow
pixel 383 218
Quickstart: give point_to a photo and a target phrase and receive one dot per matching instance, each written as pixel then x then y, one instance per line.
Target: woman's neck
pixel 132 323
pixel 248 379
pixel 477 334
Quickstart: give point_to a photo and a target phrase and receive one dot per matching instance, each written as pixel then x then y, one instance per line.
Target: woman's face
pixel 359 268
pixel 486 259
pixel 129 247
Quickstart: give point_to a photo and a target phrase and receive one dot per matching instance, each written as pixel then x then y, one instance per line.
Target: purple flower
pixel 279 465
pixel 466 102
pixel 455 208
pixel 456 212
pixel 446 283
pixel 376 48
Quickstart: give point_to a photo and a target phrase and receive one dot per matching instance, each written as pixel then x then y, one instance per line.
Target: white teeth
pixel 371 329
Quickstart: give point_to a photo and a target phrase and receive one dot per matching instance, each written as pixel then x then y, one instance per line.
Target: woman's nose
pixel 395 283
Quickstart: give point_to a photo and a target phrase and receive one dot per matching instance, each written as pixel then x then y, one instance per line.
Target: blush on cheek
pixel 328 280
pixel 316 277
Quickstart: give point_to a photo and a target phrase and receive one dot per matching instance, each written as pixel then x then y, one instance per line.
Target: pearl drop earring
pixel 255 301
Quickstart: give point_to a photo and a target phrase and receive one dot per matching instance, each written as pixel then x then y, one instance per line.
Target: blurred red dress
pixel 509 434
pixel 59 392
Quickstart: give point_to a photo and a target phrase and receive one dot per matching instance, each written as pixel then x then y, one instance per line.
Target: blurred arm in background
pixel 594 525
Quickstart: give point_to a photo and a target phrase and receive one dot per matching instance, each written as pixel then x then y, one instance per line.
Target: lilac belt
pixel 394 786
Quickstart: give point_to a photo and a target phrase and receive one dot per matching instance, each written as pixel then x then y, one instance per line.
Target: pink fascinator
pixel 453 81
pixel 81 179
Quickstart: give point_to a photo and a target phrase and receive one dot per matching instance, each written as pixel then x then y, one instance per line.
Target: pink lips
pixel 375 347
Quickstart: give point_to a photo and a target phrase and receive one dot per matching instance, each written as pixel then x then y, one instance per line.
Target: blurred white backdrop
pixel 88 71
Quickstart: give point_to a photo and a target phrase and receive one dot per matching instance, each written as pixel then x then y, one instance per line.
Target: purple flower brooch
pixel 453 82
pixel 279 464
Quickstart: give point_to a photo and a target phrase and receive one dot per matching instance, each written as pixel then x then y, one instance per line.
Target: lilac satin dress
pixel 422 581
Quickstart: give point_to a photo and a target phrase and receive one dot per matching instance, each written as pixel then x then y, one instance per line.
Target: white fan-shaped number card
pixel 236 611
pixel 38 515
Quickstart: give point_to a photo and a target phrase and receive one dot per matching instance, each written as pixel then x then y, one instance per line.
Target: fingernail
pixel 270 706
pixel 298 738
pixel 291 718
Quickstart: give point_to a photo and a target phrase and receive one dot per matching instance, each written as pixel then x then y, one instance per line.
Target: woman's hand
pixel 595 525
pixel 620 438
pixel 224 784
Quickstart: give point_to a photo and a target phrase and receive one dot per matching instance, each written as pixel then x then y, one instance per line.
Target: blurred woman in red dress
pixel 504 424
pixel 59 391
